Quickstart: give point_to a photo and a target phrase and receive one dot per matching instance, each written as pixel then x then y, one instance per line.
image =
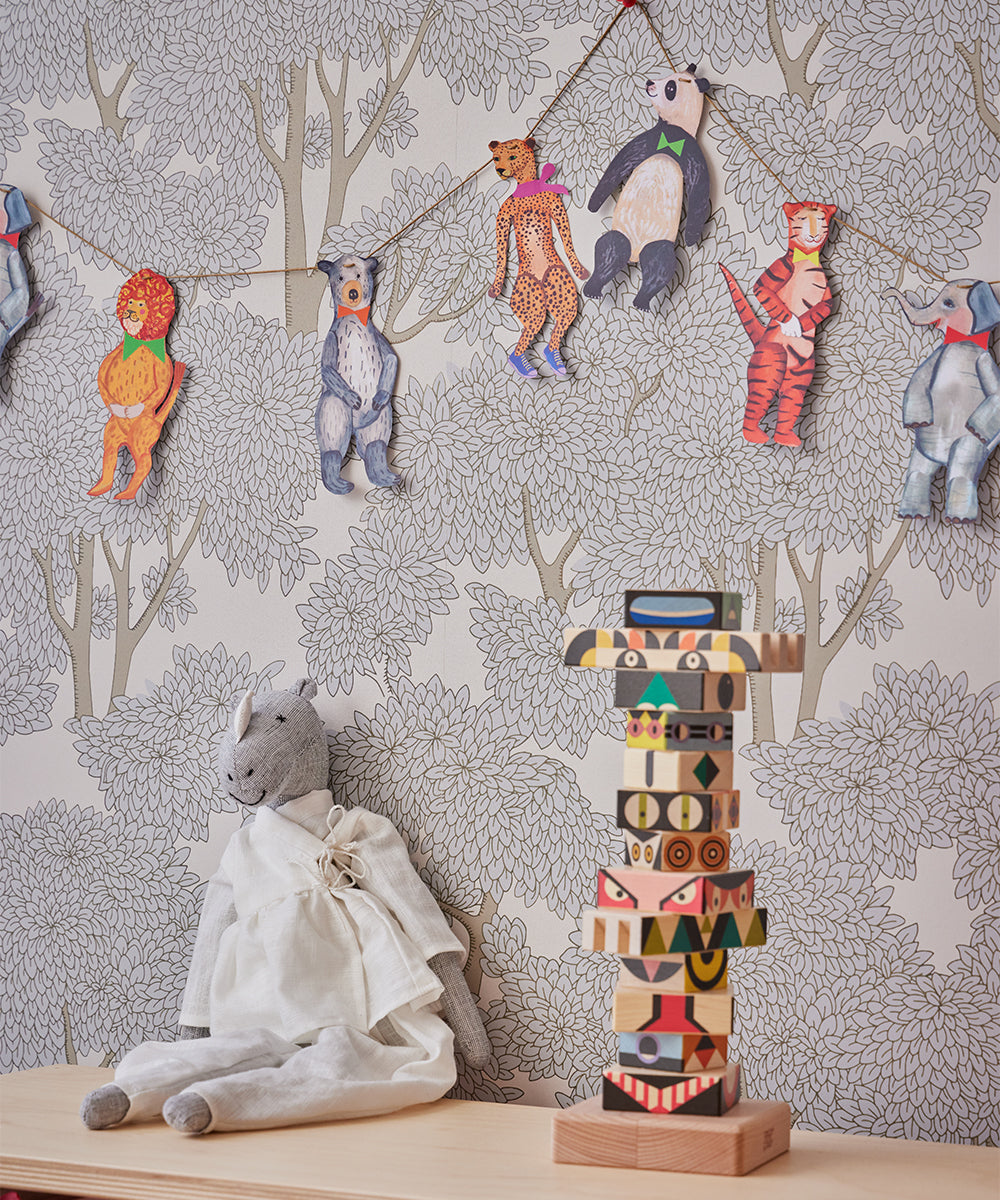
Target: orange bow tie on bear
pixel 360 313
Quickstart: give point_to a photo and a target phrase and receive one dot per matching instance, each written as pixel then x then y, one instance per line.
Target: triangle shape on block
pixel 658 695
pixel 653 941
pixel 705 771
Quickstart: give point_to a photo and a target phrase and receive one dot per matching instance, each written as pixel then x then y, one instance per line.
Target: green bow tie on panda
pixel 675 147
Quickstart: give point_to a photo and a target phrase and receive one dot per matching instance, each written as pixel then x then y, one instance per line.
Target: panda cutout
pixel 656 169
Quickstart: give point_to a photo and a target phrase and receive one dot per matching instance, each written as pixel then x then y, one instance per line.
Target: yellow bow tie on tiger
pixel 801 256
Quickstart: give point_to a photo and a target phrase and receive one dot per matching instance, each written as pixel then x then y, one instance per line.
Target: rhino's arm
pixel 217 914
pixel 985 420
pixel 918 406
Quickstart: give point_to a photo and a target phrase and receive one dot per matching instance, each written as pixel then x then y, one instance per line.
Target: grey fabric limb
pixel 460 1011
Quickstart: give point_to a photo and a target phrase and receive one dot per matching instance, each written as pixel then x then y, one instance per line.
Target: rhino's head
pixel 274 748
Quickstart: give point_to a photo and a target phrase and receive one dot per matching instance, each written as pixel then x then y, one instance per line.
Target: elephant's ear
pixel 985 307
pixel 306 688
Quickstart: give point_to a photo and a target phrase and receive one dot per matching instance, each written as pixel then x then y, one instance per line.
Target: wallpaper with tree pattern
pixel 193 139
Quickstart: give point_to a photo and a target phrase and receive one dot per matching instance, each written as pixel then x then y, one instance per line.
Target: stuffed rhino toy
pixel 321 963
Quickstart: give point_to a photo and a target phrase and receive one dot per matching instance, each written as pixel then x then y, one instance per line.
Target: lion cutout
pixel 137 381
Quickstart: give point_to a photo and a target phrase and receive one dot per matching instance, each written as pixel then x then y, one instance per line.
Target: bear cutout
pixel 656 168
pixel 358 371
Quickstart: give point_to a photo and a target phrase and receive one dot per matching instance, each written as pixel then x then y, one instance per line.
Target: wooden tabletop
pixel 452 1150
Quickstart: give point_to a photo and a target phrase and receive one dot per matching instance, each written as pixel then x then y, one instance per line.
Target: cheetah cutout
pixel 544 284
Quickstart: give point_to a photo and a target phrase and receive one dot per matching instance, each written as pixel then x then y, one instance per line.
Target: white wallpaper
pixel 192 140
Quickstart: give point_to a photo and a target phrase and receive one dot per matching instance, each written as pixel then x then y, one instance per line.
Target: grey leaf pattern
pixel 431 613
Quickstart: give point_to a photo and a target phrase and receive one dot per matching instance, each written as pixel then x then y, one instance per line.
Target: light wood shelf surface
pixel 452 1150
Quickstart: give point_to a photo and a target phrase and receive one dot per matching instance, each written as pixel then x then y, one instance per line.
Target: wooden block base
pixel 750 1134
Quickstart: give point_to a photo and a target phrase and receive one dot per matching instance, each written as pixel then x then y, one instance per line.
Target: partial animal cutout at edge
pixel 17 305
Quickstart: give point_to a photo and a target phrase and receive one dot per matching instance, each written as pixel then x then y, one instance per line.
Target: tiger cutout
pixel 795 292
pixel 543 284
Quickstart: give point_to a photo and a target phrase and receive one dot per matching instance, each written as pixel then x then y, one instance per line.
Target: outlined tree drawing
pixel 431 614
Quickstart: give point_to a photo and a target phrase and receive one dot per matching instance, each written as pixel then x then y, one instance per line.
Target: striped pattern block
pixel 636 1010
pixel 683 610
pixel 642 935
pixel 676 972
pixel 681 691
pixel 663 729
pixel 678 770
pixel 673 891
pixel 654 851
pixel 686 812
pixel 673 1051
pixel 707 1093
pixel 651 650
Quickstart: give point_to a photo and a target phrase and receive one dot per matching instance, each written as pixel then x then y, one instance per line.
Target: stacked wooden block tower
pixel 674 911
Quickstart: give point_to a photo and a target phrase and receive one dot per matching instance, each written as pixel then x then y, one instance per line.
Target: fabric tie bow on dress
pixel 339 862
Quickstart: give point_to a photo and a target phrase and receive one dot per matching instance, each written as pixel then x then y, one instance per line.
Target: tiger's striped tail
pixel 755 330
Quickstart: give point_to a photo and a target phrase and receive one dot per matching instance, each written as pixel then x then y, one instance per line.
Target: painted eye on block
pixel 611 894
pixel 693 661
pixel 681 899
pixel 631 659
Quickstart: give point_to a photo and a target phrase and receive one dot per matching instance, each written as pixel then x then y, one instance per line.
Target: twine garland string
pixel 624 5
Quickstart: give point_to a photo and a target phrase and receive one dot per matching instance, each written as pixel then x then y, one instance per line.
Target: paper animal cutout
pixel 137 381
pixel 796 295
pixel 358 370
pixel 656 168
pixel 952 400
pixel 16 302
pixel 543 283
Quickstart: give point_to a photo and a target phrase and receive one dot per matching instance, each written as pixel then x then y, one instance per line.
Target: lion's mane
pixel 159 297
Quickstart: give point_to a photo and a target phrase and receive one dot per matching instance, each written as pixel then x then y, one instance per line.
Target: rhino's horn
pixel 241 715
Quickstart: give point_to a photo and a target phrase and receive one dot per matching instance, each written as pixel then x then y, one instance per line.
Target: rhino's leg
pixel 965 462
pixel 916 498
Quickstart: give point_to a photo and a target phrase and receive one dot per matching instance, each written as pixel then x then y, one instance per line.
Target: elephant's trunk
pixel 917 314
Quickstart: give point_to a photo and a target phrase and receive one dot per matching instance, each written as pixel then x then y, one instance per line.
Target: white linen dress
pixel 315 930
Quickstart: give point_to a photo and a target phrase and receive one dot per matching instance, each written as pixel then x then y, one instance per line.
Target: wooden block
pixel 654 650
pixel 750 1134
pixel 682 691
pixel 654 851
pixel 674 891
pixel 648 935
pixel 635 1011
pixel 705 1093
pixel 662 729
pixel 673 1051
pixel 677 770
pixel 676 972
pixel 683 610
pixel 694 812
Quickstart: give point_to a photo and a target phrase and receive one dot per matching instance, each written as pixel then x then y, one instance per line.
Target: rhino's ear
pixel 242 714
pixel 306 688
